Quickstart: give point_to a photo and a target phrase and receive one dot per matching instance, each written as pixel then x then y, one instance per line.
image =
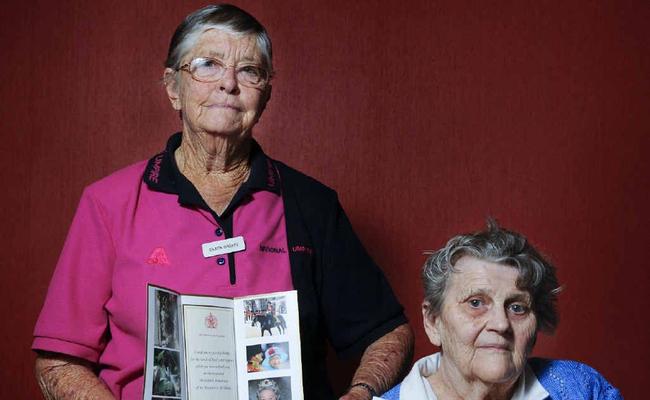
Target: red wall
pixel 425 116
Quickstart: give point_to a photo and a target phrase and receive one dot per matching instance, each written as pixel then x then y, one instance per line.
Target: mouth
pixel 223 106
pixel 495 347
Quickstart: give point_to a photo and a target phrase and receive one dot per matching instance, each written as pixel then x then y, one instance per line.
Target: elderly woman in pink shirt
pixel 146 224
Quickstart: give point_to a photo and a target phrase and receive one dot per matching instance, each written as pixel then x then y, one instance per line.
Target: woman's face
pixel 267 394
pixel 486 327
pixel 275 361
pixel 225 107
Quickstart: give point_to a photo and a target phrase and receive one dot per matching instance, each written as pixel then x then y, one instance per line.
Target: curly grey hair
pixel 225 17
pixel 536 275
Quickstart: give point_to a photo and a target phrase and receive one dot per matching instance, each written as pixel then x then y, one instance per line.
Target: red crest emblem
pixel 211 321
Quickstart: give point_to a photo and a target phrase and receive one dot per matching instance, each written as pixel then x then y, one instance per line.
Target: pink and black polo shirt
pixel 146 223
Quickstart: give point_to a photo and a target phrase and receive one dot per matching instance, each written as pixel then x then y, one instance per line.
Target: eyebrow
pixel 519 296
pixel 212 53
pixel 473 292
pixel 220 56
pixel 524 297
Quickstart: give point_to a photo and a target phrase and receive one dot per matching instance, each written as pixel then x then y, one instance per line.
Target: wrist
pixel 363 388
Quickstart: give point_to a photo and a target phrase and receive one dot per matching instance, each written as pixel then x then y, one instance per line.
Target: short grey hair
pixel 536 274
pixel 225 17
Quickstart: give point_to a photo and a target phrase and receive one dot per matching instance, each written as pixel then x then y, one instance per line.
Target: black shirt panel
pixel 343 296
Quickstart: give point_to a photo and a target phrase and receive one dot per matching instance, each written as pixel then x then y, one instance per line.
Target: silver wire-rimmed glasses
pixel 208 69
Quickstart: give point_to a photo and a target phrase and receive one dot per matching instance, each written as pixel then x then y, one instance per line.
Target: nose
pixel 228 81
pixel 498 320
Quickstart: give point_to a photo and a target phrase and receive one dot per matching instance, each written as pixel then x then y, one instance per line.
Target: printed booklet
pixel 202 347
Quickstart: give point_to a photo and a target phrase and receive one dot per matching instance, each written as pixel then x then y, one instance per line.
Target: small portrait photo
pixel 166 373
pixel 166 320
pixel 270 389
pixel 267 357
pixel 265 316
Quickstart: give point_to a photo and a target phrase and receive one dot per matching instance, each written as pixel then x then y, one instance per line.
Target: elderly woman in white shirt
pixel 487 295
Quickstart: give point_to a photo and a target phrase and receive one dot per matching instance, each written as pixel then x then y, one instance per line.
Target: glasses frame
pixel 263 83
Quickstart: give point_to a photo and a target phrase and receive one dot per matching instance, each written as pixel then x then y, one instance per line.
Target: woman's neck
pixel 448 383
pixel 216 166
pixel 207 154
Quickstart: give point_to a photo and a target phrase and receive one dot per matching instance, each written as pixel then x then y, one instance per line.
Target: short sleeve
pixel 358 303
pixel 73 319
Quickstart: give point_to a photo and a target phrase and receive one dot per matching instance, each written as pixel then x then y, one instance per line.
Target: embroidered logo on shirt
pixel 155 170
pixel 302 249
pixel 158 257
pixel 269 249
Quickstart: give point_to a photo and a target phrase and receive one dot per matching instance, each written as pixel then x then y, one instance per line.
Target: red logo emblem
pixel 211 321
pixel 158 256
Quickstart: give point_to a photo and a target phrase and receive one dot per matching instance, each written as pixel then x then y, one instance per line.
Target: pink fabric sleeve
pixel 73 319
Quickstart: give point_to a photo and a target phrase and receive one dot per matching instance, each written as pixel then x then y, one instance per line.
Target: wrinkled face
pixel 266 394
pixel 486 327
pixel 225 107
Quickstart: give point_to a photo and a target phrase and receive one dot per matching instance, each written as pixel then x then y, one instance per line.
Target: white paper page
pixel 209 348
pixel 268 346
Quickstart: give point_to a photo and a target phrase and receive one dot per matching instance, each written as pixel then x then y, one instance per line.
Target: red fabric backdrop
pixel 425 116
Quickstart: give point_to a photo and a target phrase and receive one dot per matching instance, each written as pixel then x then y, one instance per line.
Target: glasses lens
pixel 206 69
pixel 252 75
pixel 211 70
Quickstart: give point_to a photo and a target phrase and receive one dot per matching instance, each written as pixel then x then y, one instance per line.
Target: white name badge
pixel 223 246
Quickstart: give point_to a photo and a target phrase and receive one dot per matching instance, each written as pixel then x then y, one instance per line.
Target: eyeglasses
pixel 207 69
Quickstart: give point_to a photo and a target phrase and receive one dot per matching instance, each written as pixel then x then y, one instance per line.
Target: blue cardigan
pixel 562 379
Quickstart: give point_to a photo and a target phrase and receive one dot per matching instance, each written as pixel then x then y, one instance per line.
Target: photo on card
pixel 166 320
pixel 265 316
pixel 270 389
pixel 267 357
pixel 166 373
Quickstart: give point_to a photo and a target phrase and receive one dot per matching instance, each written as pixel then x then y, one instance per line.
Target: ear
pixel 431 325
pixel 171 86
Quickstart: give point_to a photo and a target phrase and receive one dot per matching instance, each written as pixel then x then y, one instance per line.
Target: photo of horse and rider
pixel 265 316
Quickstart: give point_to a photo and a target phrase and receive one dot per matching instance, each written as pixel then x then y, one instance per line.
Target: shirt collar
pixel 416 385
pixel 162 175
pixel 529 387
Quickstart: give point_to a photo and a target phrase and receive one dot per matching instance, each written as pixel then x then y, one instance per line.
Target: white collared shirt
pixel 416 385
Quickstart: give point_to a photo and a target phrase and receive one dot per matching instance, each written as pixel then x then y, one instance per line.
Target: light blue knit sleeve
pixel 571 380
pixel 392 394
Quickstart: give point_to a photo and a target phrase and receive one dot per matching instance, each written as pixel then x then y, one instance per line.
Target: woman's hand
pixel 357 393
pixel 63 377
pixel 382 363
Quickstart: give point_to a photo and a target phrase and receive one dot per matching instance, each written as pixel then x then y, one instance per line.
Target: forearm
pixel 67 378
pixel 383 362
